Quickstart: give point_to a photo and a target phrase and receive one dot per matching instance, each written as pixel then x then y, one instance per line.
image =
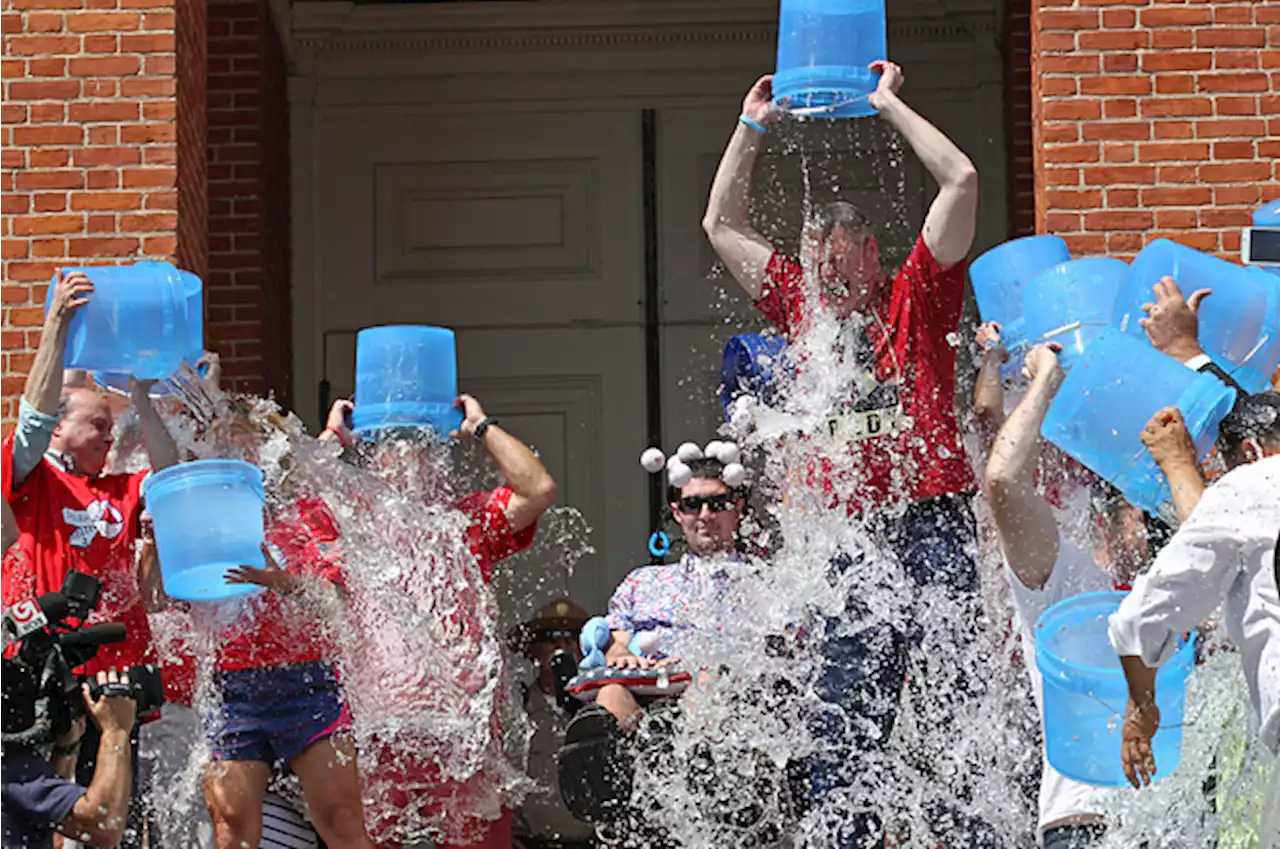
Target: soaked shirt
pixel 278 629
pixel 657 603
pixel 68 521
pixel 1223 554
pixel 901 426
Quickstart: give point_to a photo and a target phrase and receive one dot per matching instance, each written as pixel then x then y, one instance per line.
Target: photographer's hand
pixel 99 817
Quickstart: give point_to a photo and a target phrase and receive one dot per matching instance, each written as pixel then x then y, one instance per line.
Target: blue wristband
pixel 753 124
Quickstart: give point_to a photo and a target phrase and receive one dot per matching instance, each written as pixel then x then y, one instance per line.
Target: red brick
pixel 1181 60
pixel 42 45
pixel 102 179
pixel 1236 105
pixel 1116 84
pixel 102 113
pixel 149 177
pixel 1071 110
pixel 1085 244
pixel 1058 86
pixel 1235 172
pixel 1049 134
pixel 148 43
pixel 106 156
pixel 1234 15
pixel 49 113
pixel 1065 199
pixel 1173 130
pixel 1167 17
pixel 1116 130
pixel 1200 240
pixel 1184 196
pixel 1158 107
pixel 104 66
pixel 102 21
pixel 1232 82
pixel 83 201
pixel 50 202
pixel 1114 40
pixel 1119 18
pixel 47 67
pixel 1177 218
pixel 1111 220
pixel 1230 127
pixel 101 44
pixel 148 87
pixel 47 158
pixel 37 225
pixel 1121 199
pixel 1074 64
pixel 37 22
pixel 1176 174
pixel 44 89
pixel 1231 37
pixel 1172 151
pixel 49 248
pixel 1234 150
pixel 1225 218
pixel 1225 60
pixel 149 133
pixel 1171 39
pixel 66 178
pixel 1175 83
pixel 48 135
pixel 114 247
pixel 1120 107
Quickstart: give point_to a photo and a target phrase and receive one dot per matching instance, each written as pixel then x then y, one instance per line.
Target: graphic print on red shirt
pixel 903 434
pixel 275 629
pixel 72 522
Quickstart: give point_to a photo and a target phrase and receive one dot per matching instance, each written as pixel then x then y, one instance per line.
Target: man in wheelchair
pixel 631 666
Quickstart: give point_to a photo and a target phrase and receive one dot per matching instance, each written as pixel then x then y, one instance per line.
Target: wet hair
pixel 707 468
pixel 839 213
pixel 1107 503
pixel 1252 417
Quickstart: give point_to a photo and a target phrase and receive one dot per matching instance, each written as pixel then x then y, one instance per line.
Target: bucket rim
pixel 209 467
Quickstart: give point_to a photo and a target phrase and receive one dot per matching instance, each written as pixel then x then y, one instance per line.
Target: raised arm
pixel 44 381
pixel 162 450
pixel 533 490
pixel 1027 528
pixel 727 221
pixel 1170 444
pixel 988 391
pixel 952 220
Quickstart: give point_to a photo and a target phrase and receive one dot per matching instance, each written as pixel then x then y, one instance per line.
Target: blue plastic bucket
pixel 824 48
pixel 135 321
pixel 1071 304
pixel 193 293
pixel 1239 322
pixel 1108 398
pixel 208 519
pixel 406 378
pixel 749 366
pixel 1267 215
pixel 999 276
pixel 1085 695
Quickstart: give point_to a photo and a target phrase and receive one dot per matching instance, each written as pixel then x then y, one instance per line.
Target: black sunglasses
pixel 693 504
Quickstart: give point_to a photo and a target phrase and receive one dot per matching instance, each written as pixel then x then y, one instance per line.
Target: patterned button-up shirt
pixel 658 602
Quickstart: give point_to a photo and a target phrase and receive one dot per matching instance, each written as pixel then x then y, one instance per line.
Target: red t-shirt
pixel 72 522
pixel 402 775
pixel 903 432
pixel 275 630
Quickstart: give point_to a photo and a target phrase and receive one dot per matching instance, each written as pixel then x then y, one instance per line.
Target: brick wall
pixel 1154 119
pixel 1017 99
pixel 89 153
pixel 248 173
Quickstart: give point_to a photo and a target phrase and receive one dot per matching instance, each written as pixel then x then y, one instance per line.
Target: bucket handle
pixel 806 111
pixel 1067 328
pixel 1121 713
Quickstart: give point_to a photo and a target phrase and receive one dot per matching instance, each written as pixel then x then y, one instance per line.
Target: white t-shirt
pixel 1074 573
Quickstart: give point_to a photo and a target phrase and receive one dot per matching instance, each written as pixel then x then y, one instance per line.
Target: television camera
pixel 45 641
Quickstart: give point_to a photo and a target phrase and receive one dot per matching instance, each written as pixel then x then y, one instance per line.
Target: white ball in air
pixel 729 453
pixel 652 460
pixel 688 452
pixel 734 475
pixel 679 474
pixel 712 449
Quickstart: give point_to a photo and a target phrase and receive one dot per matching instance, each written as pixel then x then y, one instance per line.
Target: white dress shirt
pixel 1223 554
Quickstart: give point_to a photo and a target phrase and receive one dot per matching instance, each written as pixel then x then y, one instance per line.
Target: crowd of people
pixel 280 759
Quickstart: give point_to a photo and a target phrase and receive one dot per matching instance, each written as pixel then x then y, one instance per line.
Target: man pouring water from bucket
pixel 70 515
pixel 903 441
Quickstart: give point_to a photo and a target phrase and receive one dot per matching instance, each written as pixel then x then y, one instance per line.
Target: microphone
pixel 79 646
pixel 31 615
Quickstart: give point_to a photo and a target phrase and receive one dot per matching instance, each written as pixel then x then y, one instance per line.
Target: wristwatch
pixel 484 426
